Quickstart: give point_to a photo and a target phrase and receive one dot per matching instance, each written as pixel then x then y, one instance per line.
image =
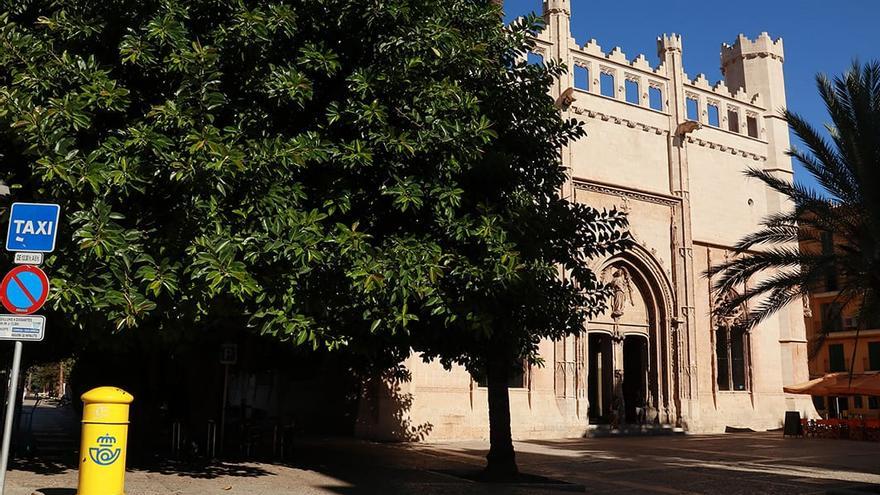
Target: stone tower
pixel 756 66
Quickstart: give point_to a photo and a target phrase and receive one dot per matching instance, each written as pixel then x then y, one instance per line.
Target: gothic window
pixel 632 90
pixel 581 77
pixel 731 353
pixel 535 58
pixel 752 125
pixel 607 84
pixel 733 119
pixel 731 346
pixel 693 108
pixel 714 117
pixel 655 98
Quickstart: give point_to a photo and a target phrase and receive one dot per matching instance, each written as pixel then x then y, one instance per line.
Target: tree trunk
pixel 501 458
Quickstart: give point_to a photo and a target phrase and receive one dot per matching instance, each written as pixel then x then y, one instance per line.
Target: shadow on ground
pixel 758 462
pixel 198 470
pixel 733 464
pixel 45 466
pixel 201 469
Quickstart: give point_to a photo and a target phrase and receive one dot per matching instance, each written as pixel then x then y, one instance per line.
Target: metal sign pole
pixel 11 399
pixel 222 411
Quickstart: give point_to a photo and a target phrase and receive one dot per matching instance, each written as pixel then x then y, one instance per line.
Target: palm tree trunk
pixel 501 458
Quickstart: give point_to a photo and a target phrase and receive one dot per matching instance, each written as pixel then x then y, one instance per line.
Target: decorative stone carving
pixel 726 317
pixel 808 311
pixel 621 284
pixel 565 99
pixel 627 193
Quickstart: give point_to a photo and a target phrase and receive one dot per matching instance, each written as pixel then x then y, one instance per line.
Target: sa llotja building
pixel 670 150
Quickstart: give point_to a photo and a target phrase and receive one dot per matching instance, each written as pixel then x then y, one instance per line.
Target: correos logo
pixel 104 454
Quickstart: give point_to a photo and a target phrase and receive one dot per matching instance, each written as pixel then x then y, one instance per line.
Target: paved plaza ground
pixel 742 463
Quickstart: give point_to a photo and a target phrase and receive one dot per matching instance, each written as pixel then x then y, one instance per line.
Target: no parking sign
pixel 24 290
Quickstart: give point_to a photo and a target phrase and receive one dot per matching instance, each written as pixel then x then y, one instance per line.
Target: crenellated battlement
pixel 561 6
pixel 721 90
pixel 750 93
pixel 744 49
pixel 756 67
pixel 617 56
pixel 667 43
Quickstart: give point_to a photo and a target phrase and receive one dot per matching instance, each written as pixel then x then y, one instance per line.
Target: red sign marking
pixel 13 286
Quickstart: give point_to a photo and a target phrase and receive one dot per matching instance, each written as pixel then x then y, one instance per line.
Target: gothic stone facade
pixel 671 151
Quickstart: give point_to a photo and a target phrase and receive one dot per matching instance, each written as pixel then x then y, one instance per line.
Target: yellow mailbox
pixel 104 438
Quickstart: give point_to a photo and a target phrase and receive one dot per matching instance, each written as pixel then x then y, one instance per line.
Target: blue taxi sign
pixel 32 227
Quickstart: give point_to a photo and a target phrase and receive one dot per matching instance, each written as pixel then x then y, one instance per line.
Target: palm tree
pixel 836 235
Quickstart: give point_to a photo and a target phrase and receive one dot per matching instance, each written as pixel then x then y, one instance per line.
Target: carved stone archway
pixel 642 306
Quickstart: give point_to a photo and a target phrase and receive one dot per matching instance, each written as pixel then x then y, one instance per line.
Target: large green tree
pixel 828 233
pixel 370 176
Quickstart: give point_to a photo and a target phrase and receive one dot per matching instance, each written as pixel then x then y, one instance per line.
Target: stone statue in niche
pixel 621 285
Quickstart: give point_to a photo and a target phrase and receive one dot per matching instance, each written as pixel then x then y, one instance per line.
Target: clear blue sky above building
pixel 819 36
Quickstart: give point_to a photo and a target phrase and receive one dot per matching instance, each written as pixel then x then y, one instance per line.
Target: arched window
pixel 731 346
pixel 582 77
pixel 607 86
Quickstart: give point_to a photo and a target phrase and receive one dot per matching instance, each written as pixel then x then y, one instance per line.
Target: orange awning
pixel 842 383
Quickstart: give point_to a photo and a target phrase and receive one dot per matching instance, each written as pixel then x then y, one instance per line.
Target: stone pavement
pixel 751 463
pixel 747 463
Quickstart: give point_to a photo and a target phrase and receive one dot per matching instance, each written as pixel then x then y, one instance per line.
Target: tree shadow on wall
pixel 385 409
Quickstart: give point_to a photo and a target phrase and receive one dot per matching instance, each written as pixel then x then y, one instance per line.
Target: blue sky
pixel 819 36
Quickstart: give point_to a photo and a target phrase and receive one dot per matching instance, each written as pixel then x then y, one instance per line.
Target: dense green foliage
pixel 839 235
pixel 374 176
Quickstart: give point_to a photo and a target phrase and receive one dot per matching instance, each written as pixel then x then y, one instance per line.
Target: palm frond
pixel 789 254
pixel 776 233
pixel 822 161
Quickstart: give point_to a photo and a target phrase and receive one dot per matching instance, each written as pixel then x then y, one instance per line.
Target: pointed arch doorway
pixel 629 347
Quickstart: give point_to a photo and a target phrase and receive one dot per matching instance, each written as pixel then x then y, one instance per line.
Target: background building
pixel 838 344
pixel 670 149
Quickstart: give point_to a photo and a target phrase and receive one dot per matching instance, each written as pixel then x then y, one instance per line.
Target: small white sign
pixel 229 354
pixel 24 328
pixel 28 258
